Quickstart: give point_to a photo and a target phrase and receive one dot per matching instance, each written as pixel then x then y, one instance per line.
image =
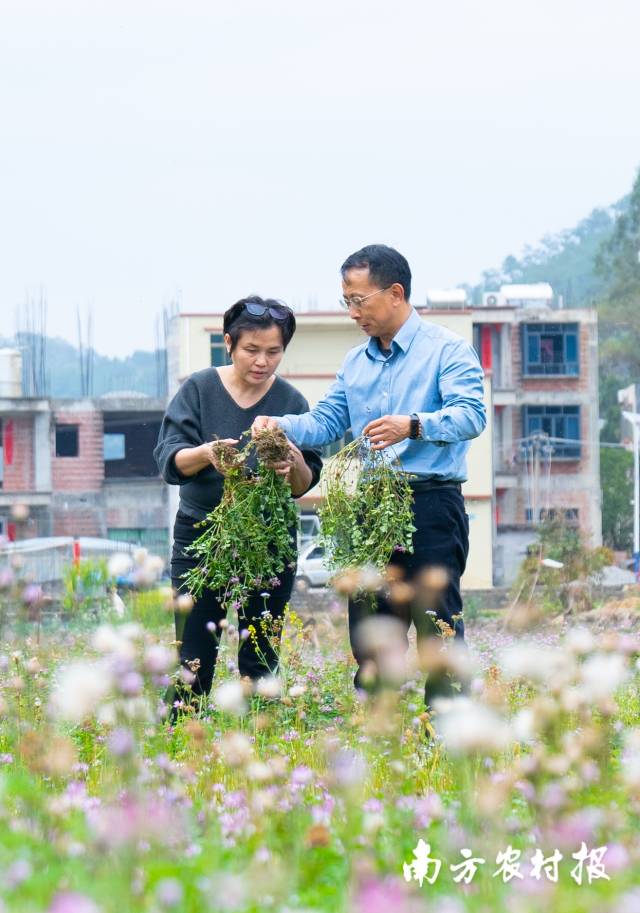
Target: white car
pixel 312 569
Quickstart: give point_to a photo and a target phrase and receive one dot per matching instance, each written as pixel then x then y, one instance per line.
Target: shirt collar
pixel 402 340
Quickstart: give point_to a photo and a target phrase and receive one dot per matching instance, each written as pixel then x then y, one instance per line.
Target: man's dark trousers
pixel 441 540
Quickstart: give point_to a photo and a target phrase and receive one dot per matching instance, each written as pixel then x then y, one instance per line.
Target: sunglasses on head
pixel 277 311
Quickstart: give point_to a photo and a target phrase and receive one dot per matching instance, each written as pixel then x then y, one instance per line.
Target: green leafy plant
pixel 250 535
pixel 367 511
pixel 85 587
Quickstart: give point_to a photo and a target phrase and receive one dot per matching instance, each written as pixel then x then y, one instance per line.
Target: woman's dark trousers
pixel 198 646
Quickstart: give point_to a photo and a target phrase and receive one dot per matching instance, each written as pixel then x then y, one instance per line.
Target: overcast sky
pixel 199 151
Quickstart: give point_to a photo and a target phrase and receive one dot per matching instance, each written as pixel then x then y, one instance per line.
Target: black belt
pixel 430 484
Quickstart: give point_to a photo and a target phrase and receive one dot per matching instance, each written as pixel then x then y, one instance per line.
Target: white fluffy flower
pixel 297 691
pixel 630 761
pixel 149 570
pixel 119 564
pixel 158 658
pixel 523 724
pixel 602 674
pixel 269 686
pixel 236 749
pixel 467 726
pixel 79 690
pixel 116 641
pixel 546 665
pixel 580 640
pixel 381 634
pixel 229 697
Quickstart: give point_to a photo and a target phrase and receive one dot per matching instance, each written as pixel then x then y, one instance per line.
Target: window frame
pixel 67 427
pixel 533 332
pixel 217 344
pixel 555 413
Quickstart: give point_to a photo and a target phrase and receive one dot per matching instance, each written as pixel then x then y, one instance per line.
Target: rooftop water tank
pixel 10 373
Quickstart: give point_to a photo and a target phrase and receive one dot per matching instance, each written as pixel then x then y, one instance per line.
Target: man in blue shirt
pixel 418 387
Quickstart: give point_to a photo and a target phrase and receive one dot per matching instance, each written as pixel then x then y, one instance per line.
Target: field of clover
pixel 521 792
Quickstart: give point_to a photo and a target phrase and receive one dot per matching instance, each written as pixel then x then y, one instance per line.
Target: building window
pixel 66 440
pixel 550 348
pixel 568 514
pixel 219 356
pixel 560 423
pixel 129 440
pixel 114 447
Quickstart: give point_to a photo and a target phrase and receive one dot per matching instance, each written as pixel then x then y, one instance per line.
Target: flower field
pixel 304 797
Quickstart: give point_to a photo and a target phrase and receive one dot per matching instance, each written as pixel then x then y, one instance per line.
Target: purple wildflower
pixel 72 902
pixel 32 594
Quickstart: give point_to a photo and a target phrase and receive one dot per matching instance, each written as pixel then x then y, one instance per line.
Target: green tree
pixel 618 263
pixel 616 479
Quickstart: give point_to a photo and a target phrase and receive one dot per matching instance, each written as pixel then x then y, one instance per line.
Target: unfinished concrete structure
pixel 82 467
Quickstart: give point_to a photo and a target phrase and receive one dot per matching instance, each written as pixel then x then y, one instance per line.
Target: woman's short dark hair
pixel 238 318
pixel 385 264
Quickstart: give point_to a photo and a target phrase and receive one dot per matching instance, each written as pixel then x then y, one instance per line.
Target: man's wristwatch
pixel 415 428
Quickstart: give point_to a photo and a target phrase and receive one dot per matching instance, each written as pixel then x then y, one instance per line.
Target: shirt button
pixel 385 393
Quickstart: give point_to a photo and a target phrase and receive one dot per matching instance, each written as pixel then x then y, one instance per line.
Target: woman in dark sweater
pixel 222 403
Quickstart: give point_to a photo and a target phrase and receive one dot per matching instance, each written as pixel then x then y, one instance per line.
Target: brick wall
pixel 19 475
pixel 575 474
pixel 86 471
pixel 77 514
pixel 133 518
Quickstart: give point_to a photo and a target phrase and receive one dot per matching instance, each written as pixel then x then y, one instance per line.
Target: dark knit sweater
pixel 202 410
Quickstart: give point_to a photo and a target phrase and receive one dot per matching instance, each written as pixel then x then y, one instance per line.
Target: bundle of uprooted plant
pixel 248 539
pixel 366 514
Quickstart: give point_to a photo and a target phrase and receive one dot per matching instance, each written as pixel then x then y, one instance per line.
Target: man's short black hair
pixel 386 266
pixel 238 318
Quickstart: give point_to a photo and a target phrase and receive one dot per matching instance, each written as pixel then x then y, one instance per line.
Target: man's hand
pixel 390 429
pixel 261 422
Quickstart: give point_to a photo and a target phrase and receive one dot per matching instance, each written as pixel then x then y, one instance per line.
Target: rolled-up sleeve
pixel 463 413
pixel 180 428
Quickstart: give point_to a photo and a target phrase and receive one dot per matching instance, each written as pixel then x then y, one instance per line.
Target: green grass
pixel 320 815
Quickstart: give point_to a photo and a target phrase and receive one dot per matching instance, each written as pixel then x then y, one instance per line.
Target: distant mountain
pixel 566 260
pixel 140 372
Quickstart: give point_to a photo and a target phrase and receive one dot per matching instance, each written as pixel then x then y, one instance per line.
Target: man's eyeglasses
pixel 356 301
pixel 277 311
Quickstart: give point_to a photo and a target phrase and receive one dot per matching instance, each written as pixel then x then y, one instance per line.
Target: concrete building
pixel 195 341
pixel 81 467
pixel 544 363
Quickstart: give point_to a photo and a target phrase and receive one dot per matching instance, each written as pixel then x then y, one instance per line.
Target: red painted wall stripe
pixel 8 443
pixel 485 348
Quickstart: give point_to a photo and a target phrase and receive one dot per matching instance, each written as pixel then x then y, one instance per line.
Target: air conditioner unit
pixel 492 300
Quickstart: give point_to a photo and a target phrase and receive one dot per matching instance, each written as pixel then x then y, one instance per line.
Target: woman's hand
pixel 215 455
pixel 299 475
pixel 294 470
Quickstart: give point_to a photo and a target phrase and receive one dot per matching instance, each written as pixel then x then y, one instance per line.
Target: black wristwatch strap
pixel 415 429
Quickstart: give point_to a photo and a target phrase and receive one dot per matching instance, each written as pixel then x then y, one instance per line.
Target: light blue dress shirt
pixel 430 371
